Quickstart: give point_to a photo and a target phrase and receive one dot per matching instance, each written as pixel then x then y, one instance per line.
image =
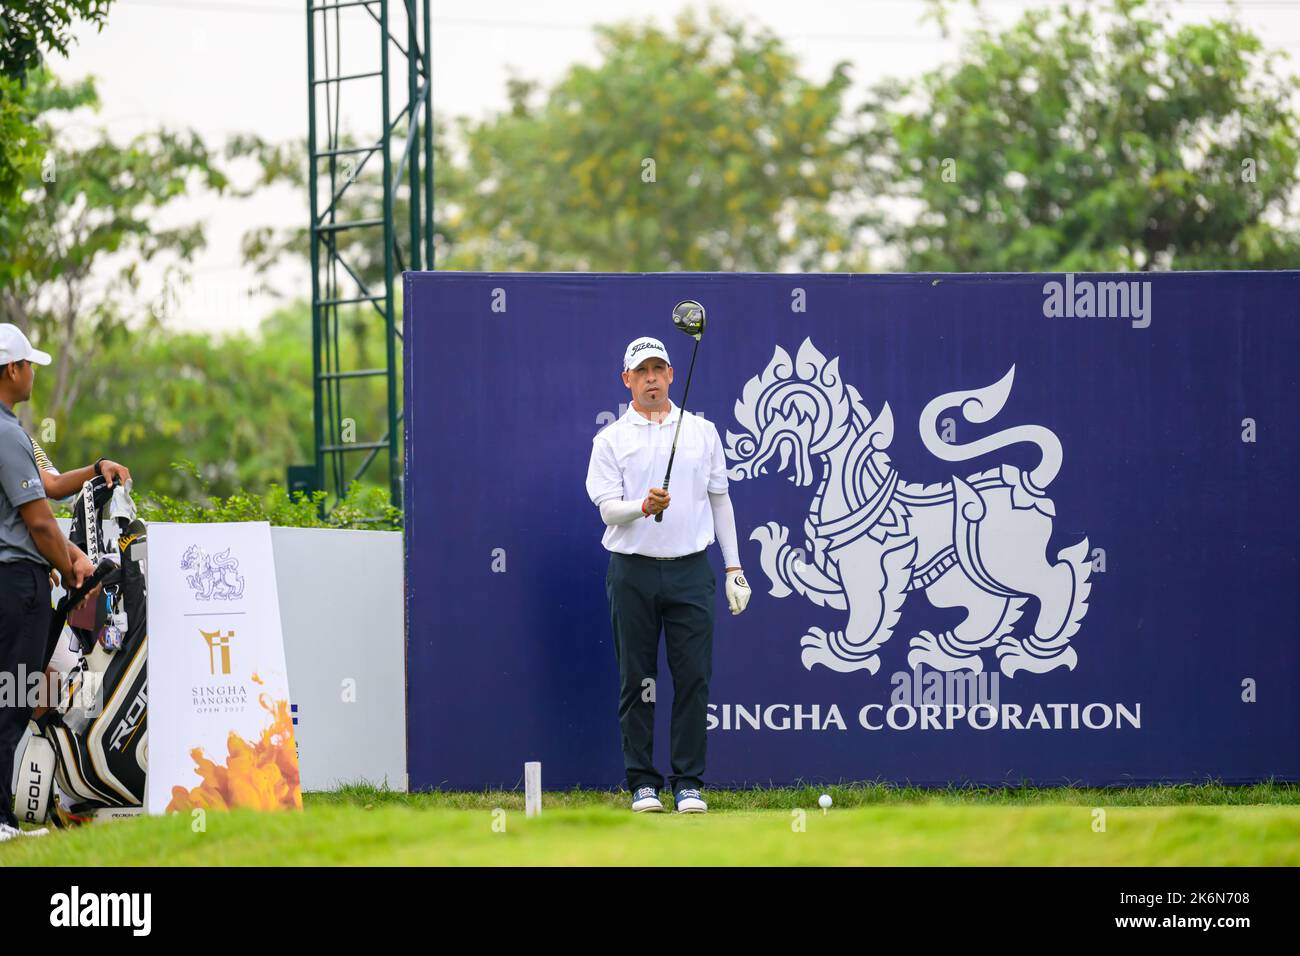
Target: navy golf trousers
pixel 24 625
pixel 647 595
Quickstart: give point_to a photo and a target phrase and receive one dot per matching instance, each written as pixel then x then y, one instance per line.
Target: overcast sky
pixel 228 66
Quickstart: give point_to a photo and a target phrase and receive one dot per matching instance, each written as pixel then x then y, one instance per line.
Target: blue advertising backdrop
pixel 1122 577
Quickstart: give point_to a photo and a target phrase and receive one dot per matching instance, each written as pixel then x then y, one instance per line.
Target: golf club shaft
pixel 686 393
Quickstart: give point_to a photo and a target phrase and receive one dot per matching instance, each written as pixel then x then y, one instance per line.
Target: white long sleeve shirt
pixel 629 457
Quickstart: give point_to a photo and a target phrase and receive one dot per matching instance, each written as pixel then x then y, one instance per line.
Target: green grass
pixel 870 825
pixel 853 795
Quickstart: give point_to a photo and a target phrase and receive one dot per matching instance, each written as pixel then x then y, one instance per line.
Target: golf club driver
pixel 689 317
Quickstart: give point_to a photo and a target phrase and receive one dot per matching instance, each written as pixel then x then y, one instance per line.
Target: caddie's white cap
pixel 642 349
pixel 14 347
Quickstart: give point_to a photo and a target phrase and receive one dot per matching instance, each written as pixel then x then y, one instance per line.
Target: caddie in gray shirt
pixel 30 544
pixel 20 481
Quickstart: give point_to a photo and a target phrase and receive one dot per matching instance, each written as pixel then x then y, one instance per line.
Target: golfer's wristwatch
pixel 99 467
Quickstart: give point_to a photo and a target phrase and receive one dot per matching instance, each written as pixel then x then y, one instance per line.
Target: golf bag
pixel 94 743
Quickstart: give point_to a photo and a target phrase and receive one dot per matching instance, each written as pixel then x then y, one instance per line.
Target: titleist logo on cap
pixel 639 347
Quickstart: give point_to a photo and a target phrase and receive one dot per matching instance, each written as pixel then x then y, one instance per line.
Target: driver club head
pixel 688 316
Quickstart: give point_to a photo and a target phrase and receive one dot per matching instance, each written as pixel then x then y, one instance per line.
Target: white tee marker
pixel 532 788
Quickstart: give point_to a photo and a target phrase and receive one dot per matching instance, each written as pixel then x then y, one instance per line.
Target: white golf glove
pixel 738 591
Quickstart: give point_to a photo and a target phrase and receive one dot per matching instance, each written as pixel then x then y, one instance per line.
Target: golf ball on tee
pixel 824 801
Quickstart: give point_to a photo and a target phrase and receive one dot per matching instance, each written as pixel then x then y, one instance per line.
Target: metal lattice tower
pixel 358 54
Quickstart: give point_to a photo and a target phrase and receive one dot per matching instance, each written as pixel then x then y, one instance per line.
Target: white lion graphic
pixel 978 543
pixel 214 577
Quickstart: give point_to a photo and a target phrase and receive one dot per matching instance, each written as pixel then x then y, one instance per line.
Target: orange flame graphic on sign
pixel 257 776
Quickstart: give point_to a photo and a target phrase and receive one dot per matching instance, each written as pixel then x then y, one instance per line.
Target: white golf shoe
pixel 689 801
pixel 646 800
pixel 8 832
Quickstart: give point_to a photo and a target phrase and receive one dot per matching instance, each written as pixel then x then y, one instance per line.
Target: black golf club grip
pixel 659 515
pixel 73 597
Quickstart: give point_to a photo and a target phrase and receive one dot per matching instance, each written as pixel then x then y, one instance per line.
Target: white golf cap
pixel 14 347
pixel 642 349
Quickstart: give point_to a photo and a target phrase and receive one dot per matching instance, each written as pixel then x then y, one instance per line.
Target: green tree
pixel 27 32
pixel 70 272
pixel 1090 138
pixel 20 147
pixel 238 407
pixel 699 149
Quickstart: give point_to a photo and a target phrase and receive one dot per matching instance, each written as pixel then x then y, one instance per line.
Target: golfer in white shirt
pixel 659 576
